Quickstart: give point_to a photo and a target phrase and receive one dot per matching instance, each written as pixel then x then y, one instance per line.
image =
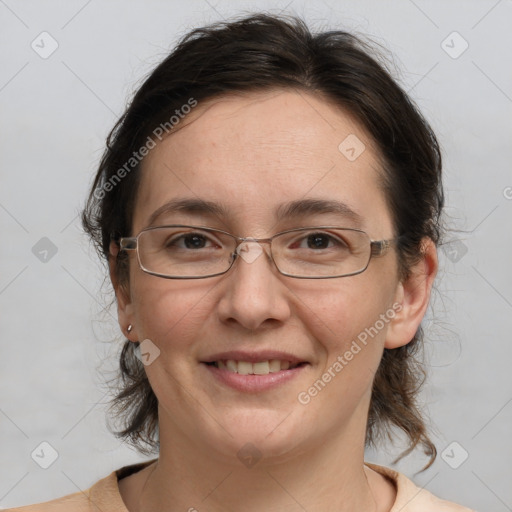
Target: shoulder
pixel 411 498
pixel 77 502
pixel 103 495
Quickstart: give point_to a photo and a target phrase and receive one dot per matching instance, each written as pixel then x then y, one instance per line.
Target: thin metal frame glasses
pixel 158 251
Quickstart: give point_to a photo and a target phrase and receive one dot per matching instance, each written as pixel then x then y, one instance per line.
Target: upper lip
pixel 253 357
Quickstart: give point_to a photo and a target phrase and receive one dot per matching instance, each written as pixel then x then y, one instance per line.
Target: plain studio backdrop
pixel 68 69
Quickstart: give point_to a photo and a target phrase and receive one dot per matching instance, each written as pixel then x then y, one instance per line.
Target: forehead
pixel 255 151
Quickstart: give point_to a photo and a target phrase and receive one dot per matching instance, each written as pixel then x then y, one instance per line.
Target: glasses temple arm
pixel 128 243
pixel 379 247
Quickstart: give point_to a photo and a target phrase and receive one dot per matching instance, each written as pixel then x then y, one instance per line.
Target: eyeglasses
pixel 196 252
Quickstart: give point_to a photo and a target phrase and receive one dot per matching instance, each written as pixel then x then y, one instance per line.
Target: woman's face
pixel 251 155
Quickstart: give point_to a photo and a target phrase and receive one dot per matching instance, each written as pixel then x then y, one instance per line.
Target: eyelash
pixel 182 237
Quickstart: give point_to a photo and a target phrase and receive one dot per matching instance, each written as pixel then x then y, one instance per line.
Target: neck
pixel 327 476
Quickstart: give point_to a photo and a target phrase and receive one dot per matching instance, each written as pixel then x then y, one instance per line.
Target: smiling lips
pixel 243 362
pixel 254 372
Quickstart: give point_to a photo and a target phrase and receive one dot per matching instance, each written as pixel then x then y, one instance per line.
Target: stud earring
pixel 129 328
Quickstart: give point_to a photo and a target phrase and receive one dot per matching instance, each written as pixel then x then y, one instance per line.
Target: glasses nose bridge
pixel 241 240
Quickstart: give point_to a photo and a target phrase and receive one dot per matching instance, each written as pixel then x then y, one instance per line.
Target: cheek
pixel 349 326
pixel 349 318
pixel 170 314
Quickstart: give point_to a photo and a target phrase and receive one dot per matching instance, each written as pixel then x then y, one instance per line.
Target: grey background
pixel 59 343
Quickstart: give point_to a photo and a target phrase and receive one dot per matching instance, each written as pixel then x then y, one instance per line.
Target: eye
pixel 193 241
pixel 320 240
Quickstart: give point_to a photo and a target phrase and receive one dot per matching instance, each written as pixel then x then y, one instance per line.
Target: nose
pixel 254 293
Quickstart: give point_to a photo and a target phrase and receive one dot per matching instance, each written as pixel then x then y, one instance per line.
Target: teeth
pixel 244 368
pixel 259 368
pixel 231 365
pixel 274 365
pixel 262 368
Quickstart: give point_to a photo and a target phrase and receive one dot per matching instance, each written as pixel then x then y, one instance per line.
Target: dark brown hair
pixel 255 53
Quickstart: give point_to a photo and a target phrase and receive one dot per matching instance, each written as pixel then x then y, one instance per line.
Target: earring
pixel 129 328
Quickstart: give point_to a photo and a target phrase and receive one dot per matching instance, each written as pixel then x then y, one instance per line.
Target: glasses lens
pixel 322 252
pixel 183 251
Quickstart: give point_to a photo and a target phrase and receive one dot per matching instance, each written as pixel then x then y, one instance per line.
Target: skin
pixel 253 152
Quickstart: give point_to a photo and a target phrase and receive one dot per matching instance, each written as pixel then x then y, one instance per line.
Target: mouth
pixel 252 372
pixel 264 367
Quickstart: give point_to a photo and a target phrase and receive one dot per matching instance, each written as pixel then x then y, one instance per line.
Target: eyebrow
pixel 285 211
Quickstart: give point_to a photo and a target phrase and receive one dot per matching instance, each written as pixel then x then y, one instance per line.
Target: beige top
pixel 104 495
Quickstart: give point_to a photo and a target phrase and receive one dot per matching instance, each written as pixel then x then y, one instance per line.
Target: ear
pixel 125 311
pixel 413 296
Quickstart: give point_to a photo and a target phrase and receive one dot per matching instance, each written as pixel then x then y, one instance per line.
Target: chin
pixel 270 436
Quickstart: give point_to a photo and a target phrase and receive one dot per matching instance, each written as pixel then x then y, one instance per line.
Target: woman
pixel 269 206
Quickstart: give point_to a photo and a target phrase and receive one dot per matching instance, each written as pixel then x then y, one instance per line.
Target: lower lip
pixel 253 383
